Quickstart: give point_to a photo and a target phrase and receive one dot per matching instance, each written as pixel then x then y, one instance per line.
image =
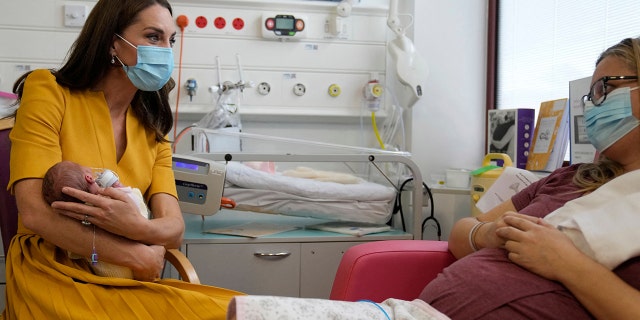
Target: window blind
pixel 544 44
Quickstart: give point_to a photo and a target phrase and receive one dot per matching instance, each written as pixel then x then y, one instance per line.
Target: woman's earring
pixel 113 60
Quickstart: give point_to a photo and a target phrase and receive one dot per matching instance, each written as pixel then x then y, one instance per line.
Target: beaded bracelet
pixel 472 235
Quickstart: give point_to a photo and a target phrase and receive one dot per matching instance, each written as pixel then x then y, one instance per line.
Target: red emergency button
pixel 299 24
pixel 270 23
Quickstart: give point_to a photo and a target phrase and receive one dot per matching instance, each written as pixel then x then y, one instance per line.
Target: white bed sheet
pixel 260 191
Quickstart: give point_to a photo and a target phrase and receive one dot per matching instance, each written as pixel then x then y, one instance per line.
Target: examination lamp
pixel 411 69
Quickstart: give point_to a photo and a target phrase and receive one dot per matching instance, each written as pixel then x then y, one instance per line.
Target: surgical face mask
pixel 610 121
pixel 153 69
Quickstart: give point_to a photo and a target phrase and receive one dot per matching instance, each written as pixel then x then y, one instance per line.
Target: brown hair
pixel 88 61
pixel 63 174
pixel 590 176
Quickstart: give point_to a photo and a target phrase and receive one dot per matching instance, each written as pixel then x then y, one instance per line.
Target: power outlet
pixel 238 23
pixel 220 22
pixel 201 22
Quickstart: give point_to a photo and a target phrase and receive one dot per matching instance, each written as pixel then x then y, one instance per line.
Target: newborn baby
pixel 71 174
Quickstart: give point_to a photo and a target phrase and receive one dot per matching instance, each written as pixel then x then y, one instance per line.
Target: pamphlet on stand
pixel 510 131
pixel 551 136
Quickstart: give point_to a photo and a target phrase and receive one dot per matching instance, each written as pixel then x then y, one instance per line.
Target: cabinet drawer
pixel 266 268
pixel 319 265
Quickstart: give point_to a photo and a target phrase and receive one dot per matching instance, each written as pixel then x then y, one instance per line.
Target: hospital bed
pixel 312 179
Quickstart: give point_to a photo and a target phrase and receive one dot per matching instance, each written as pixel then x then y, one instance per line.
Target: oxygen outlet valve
pixel 372 94
pixel 191 86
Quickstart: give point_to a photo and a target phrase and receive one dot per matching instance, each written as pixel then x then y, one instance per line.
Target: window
pixel 544 44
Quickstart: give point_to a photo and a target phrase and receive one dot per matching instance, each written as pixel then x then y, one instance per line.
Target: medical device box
pixel 493 165
pixel 283 26
pixel 199 183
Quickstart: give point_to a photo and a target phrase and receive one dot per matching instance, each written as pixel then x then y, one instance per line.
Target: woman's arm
pixel 167 225
pixel 542 249
pixel 114 211
pixel 484 235
pixel 69 234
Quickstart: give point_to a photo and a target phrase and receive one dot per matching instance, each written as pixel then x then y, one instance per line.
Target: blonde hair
pixel 590 176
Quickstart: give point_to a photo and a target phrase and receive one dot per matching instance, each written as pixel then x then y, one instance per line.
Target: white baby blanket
pixel 246 177
pixel 604 224
pixel 350 199
pixel 285 308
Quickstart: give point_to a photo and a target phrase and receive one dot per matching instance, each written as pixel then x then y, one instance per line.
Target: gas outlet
pixel 299 89
pixel 334 90
pixel 264 88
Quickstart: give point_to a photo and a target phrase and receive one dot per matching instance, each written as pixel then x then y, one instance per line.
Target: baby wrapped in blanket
pixel 67 173
pixel 604 223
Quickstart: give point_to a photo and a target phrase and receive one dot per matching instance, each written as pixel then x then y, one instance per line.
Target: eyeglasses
pixel 598 92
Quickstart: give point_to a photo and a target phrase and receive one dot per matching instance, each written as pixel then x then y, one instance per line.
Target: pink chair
pixel 389 269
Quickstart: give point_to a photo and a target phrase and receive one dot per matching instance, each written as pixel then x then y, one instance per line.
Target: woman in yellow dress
pixel 106 107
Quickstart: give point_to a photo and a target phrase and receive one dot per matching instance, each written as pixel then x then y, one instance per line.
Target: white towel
pixel 604 224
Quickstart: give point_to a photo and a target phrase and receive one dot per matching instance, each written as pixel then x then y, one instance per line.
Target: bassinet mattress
pixel 259 191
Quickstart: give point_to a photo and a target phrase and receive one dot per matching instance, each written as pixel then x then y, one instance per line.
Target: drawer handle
pixel 272 255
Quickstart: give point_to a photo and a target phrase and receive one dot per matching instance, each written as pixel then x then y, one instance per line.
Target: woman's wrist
pixel 473 235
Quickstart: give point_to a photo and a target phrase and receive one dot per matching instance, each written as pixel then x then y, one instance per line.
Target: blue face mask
pixel 610 121
pixel 153 69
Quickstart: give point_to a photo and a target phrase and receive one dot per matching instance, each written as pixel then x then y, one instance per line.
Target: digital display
pixel 285 23
pixel 188 166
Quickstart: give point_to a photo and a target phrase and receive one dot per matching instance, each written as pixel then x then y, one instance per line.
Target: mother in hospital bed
pixel 106 107
pixel 551 278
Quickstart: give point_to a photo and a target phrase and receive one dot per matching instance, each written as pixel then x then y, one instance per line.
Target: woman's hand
pixel 537 246
pixel 484 236
pixel 111 210
pixel 150 265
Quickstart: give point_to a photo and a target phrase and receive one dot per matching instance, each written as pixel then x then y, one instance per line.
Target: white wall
pixel 448 122
pixel 445 128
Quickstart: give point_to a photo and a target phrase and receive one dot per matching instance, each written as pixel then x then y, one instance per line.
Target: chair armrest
pixel 183 265
pixel 389 269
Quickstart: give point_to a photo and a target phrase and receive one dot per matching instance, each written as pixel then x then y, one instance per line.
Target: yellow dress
pixel 55 124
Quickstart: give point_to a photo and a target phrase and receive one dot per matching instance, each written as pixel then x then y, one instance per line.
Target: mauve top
pixel 487 285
